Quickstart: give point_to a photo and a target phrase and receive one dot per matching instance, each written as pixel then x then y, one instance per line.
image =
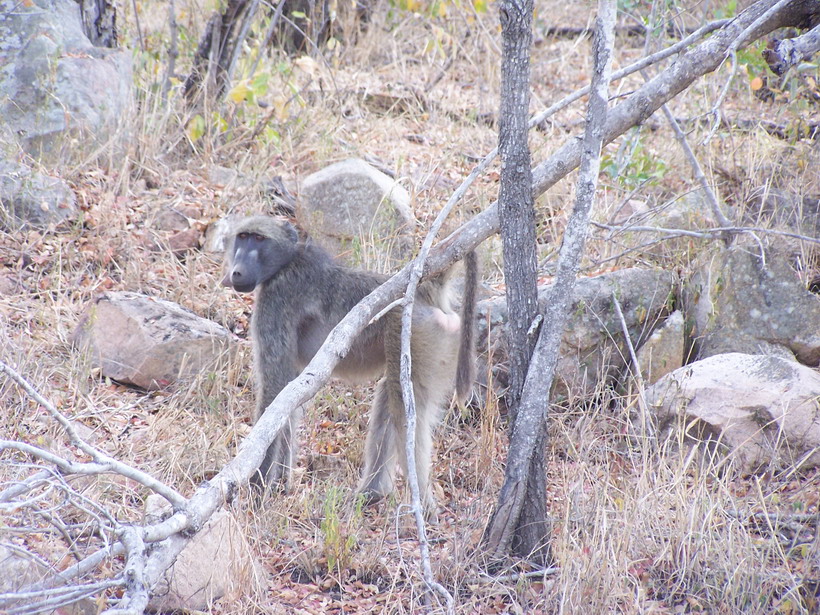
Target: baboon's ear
pixel 290 231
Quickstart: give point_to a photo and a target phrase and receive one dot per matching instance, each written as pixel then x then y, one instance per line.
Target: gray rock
pixel 28 197
pixel 351 202
pixel 216 235
pixel 764 410
pixel 593 347
pixel 741 302
pixel 149 342
pixel 691 211
pixel 61 96
pixel 663 352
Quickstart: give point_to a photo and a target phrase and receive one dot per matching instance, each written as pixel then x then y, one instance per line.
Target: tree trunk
pixel 516 525
pixel 517 218
pixel 215 50
pixel 100 22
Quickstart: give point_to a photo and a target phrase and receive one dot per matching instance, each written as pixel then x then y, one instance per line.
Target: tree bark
pixel 100 22
pixel 782 55
pixel 515 525
pixel 517 219
pixel 215 50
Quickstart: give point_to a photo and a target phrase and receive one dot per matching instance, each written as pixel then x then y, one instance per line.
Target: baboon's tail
pixel 465 374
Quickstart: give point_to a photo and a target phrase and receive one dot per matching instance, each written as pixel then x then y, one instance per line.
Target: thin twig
pixel 240 39
pixel 137 23
pixel 513 576
pixel 53 598
pixel 274 20
pixel 698 171
pixel 646 425
pixel 24 485
pixel 715 111
pixel 705 233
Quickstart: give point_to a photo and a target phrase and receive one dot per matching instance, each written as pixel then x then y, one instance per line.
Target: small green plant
pixel 638 167
pixel 338 541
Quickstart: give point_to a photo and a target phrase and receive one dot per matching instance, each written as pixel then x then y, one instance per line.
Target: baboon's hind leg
pixel 380 447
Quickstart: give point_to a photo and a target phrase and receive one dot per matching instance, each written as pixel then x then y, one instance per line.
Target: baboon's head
pixel 258 248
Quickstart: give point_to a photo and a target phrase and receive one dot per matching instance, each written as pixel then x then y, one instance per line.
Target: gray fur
pixel 301 294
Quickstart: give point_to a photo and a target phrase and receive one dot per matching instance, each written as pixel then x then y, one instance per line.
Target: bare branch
pixel 750 33
pixel 697 169
pixel 705 233
pixel 104 462
pixel 135 599
pixel 792 51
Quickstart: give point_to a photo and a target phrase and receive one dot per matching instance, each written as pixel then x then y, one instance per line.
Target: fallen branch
pixel 784 54
pixel 103 462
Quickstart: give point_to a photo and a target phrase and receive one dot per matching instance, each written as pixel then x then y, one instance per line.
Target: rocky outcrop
pixel 745 300
pixel 763 410
pixel 217 564
pixel 62 97
pixel 31 198
pixel 593 348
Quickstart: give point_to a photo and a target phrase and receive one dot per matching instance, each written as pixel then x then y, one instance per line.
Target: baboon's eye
pixel 242 236
pixel 258 237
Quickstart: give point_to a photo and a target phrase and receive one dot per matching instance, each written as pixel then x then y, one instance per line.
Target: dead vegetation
pixel 638 528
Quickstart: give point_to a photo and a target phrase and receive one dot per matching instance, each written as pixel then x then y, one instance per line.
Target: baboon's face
pixel 255 255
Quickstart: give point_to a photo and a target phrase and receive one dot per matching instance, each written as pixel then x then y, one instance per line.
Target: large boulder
pixel 60 95
pixel 218 563
pixel 746 301
pixel 764 410
pixel 352 203
pixel 28 197
pixel 664 351
pixel 148 342
pixel 593 348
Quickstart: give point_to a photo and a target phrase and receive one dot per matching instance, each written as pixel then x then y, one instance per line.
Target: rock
pixel 171 219
pixel 222 176
pixel 217 563
pixel 762 409
pixel 61 96
pixel 147 342
pixel 740 302
pixel 351 202
pixel 663 351
pixel 30 198
pixel 216 235
pixel 592 348
pixel 691 211
pixel 17 572
pixel 185 241
pixel 769 206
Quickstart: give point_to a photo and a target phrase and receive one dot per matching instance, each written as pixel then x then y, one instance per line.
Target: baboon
pixel 301 294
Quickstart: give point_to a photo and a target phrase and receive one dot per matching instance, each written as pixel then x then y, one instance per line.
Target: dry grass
pixel 639 526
